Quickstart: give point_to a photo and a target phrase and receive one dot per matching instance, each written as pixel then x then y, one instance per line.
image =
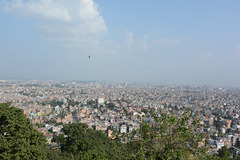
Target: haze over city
pixel 195 42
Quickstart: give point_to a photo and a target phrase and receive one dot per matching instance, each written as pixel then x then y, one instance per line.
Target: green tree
pixel 94 127
pixel 145 111
pixel 85 143
pixel 55 155
pixel 224 153
pixel 60 139
pixel 74 113
pixel 110 106
pixel 166 137
pixel 91 102
pixel 18 138
pixel 39 125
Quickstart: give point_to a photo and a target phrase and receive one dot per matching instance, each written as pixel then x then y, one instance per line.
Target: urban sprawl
pixel 120 107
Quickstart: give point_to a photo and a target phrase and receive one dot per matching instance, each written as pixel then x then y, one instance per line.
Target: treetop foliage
pixel 84 142
pixel 167 137
pixel 18 138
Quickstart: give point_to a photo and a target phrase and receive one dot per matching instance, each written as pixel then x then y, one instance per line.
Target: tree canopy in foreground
pixel 167 137
pixel 18 138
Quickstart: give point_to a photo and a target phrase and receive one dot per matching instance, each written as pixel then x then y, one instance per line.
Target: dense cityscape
pixel 118 108
pixel 119 80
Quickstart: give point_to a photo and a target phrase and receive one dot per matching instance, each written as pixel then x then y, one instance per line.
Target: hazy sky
pixel 127 40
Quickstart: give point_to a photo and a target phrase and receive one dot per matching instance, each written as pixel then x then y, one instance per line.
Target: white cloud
pixel 238 47
pixel 110 48
pixel 207 41
pixel 95 47
pixel 66 21
pixel 164 41
pixel 207 55
pixel 135 43
pixel 144 44
pixel 235 57
pixel 44 8
pixel 129 39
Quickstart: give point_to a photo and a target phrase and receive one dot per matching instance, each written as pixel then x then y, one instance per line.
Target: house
pixel 49 138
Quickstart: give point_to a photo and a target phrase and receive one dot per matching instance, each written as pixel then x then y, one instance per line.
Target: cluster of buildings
pixel 117 107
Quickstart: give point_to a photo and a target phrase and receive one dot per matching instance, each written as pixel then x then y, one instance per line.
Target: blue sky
pixel 190 42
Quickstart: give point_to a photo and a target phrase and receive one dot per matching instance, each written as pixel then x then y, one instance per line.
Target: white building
pixel 123 128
